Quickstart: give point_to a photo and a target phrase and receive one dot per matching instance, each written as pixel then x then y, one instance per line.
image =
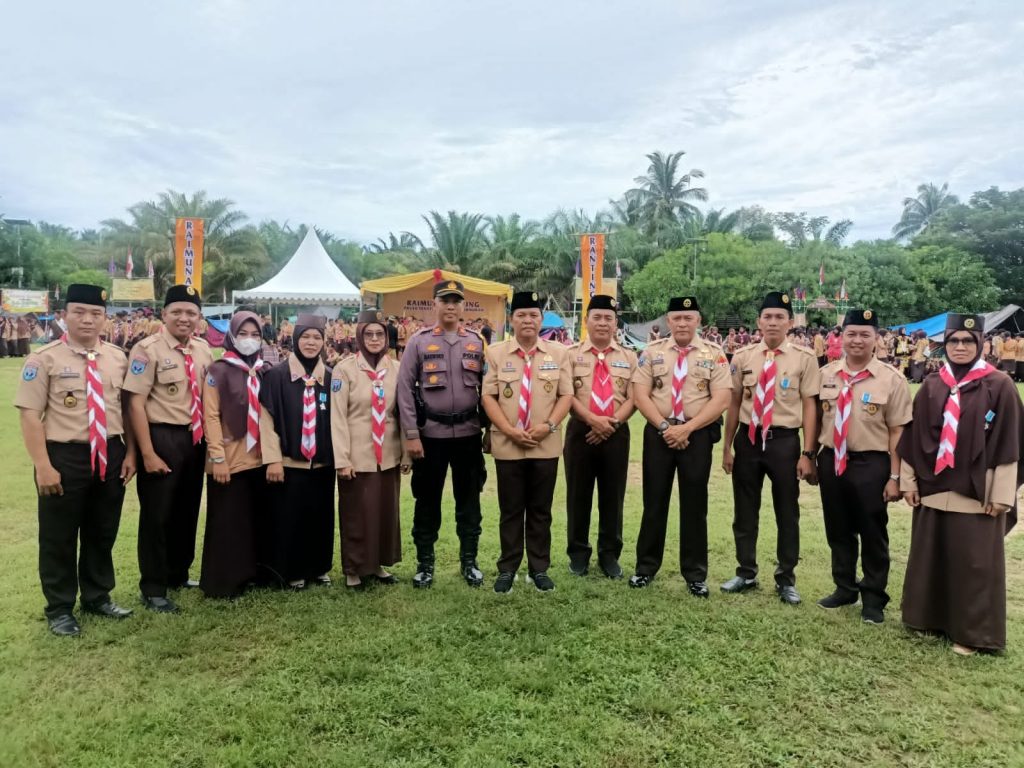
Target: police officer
pixel 681 387
pixel 864 406
pixel 597 439
pixel 439 407
pixel 527 391
pixel 775 385
pixel 77 437
pixel 165 376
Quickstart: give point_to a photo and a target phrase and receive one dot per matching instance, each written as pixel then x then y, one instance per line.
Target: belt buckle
pixel 768 435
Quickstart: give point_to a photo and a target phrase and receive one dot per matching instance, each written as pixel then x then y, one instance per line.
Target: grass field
pixel 592 675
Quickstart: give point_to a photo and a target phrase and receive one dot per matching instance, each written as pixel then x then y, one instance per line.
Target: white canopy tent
pixel 309 278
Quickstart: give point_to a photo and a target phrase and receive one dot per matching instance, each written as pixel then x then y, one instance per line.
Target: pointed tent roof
pixel 309 277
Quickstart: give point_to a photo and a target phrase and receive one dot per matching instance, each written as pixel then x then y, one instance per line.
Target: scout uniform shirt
pixel 796 376
pixel 352 415
pixel 219 443
pixel 621 364
pixel 1009 349
pixel 880 401
pixel 550 379
pixel 53 383
pixel 920 347
pixel 707 372
pixel 156 371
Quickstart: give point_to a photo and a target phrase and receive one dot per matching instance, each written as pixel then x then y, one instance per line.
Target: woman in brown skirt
pixel 961 468
pixel 368 455
pixel 237 492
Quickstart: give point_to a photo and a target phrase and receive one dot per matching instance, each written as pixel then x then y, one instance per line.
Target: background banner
pixel 591 272
pixel 20 302
pixel 188 253
pixel 140 289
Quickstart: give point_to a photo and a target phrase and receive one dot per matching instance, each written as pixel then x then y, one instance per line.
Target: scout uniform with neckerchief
pixel 707 372
pixel 871 401
pixel 169 503
pixel 55 387
pixel 773 450
pixel 605 463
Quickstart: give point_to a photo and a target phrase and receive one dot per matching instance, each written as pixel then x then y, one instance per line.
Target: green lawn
pixel 592 675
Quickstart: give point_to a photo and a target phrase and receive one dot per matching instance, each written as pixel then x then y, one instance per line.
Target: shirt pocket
pixel 472 365
pixel 69 394
pixel 620 380
pixel 873 409
pixel 172 379
pixel 508 384
pixel 434 374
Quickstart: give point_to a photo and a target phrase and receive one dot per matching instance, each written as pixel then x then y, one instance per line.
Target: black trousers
pixel 750 466
pixel 90 512
pixel 692 467
pixel 525 491
pixel 169 510
pixel 854 507
pixel 301 524
pixel 465 456
pixel 604 464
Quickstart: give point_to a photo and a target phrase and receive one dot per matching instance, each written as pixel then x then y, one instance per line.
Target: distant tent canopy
pixel 1009 318
pixel 309 278
pixel 552 320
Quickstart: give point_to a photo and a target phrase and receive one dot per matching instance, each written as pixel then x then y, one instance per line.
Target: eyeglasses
pixel 961 342
pixel 374 335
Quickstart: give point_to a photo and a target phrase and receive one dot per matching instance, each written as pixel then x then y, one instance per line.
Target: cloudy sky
pixel 360 116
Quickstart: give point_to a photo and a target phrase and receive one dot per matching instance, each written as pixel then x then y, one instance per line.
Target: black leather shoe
pixel 837 600
pixel 110 609
pixel 322 581
pixel 189 584
pixel 424 577
pixel 503 584
pixel 471 574
pixel 160 604
pixel 386 580
pixel 64 626
pixel 360 587
pixel 872 615
pixel 698 589
pixel 640 580
pixel 788 594
pixel 611 569
pixel 541 581
pixel 579 567
pixel 738 584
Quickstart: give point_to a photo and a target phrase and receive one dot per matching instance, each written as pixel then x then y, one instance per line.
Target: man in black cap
pixel 439 407
pixel 165 376
pixel 527 391
pixel 597 439
pixel 864 406
pixel 681 387
pixel 775 383
pixel 78 437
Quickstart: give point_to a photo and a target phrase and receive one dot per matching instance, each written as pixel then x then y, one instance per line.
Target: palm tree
pixel 456 240
pixel 510 244
pixel 666 198
pixel 403 242
pixel 918 212
pixel 802 229
pixel 715 220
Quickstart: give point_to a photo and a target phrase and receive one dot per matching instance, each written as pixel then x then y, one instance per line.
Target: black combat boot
pixel 424 577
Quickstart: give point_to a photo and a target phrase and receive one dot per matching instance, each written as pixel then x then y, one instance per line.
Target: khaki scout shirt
pixel 707 372
pixel 221 444
pixel 352 415
pixel 919 351
pixel 819 345
pixel 880 401
pixel 1009 349
pixel 796 376
pixel 53 383
pixel 156 371
pixel 551 378
pixel 621 364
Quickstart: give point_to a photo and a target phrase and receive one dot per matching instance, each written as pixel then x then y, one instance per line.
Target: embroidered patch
pixel 335 385
pixel 209 380
pixel 577 382
pixel 472 347
pixel 432 348
pixel 30 372
pixel 620 364
pixel 430 367
pixel 323 397
pixel 139 365
pixel 640 361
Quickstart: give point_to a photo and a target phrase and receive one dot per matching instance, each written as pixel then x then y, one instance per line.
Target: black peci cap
pixel 777 300
pixel 183 293
pixel 683 304
pixel 370 316
pixel 526 300
pixel 306 320
pixel 82 293
pixel 972 323
pixel 449 288
pixel 860 317
pixel 601 301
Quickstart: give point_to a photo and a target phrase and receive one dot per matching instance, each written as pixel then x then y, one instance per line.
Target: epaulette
pixel 49 345
pixel 576 346
pixel 204 342
pixel 802 348
pixel 112 346
pixel 148 341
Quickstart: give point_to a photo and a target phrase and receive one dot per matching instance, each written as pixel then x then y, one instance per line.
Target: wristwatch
pixel 894 478
pixel 810 455
pixel 663 426
pixel 616 423
pixel 553 426
pixel 217 459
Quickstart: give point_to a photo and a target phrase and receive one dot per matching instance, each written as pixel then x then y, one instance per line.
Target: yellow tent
pixel 413 296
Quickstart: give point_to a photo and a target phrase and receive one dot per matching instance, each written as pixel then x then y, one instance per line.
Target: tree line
pixel 944 254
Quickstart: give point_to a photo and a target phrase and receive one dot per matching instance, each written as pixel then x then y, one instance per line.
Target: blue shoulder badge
pixel 335 385
pixel 138 366
pixel 210 380
pixel 29 372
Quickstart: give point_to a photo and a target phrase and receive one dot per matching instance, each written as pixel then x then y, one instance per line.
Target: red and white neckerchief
pixel 602 393
pixel 379 411
pixel 679 374
pixel 764 400
pixel 308 442
pixel 525 391
pixel 842 422
pixel 252 418
pixel 951 413
pixel 97 408
pixel 196 409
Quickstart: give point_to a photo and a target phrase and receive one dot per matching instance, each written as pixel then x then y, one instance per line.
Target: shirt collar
pixel 78 349
pixel 589 345
pixel 173 342
pixel 298 372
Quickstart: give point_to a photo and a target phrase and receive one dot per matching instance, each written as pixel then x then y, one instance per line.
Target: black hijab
pixel 303 323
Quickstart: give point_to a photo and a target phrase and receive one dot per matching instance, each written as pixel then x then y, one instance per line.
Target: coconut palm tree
pixel 456 240
pixel 918 212
pixel 666 197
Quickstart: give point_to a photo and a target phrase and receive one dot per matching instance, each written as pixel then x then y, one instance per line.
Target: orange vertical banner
pixel 591 272
pixel 188 253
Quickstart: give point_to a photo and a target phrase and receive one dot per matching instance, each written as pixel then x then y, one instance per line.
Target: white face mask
pixel 248 346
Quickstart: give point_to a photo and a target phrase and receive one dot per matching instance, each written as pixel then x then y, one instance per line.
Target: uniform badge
pixel 507 391
pixel 472 347
pixel 785 384
pixel 70 401
pixel 640 361
pixel 335 385
pixel 549 387
pixel 748 393
pixel 702 385
pixel 657 382
pixel 432 347
pixel 577 382
pixel 623 383
pixel 209 380
pixel 30 372
pixel 67 373
pixel 826 406
pixel 600 356
pixel 433 379
pixel 323 397
pixel 138 366
pixel 172 389
pixel 430 367
pixel 969 323
pixel 190 290
pixel 871 408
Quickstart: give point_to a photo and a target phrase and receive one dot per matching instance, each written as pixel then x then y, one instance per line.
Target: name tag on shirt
pixel 67 373
pixel 549 366
pixel 620 364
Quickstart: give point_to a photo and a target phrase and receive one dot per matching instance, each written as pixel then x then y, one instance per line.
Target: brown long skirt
pixel 235 517
pixel 368 518
pixel 956 577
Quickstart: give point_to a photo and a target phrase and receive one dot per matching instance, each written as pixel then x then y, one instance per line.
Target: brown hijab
pixel 232 381
pixel 366 319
